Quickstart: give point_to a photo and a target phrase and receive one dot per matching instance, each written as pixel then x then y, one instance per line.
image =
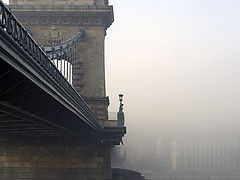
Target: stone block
pixel 72 161
pixel 2 151
pixel 84 165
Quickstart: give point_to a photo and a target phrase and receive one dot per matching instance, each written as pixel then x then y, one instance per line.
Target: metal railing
pixel 10 24
pixel 64 56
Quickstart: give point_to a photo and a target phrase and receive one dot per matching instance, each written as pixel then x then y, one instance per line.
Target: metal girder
pixel 21 114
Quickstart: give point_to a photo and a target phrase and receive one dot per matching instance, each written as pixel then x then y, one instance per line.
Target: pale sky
pixel 177 62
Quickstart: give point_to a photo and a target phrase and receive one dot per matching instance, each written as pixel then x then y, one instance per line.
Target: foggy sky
pixel 177 63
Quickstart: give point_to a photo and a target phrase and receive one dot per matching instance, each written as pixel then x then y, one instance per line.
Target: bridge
pixel 53 105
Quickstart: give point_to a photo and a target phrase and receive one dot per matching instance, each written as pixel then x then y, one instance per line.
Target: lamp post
pixel 120 114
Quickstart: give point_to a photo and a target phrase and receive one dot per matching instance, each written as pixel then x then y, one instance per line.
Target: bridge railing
pixel 10 24
pixel 64 56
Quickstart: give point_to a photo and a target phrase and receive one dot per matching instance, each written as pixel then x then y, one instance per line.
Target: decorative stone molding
pixel 62 2
pixel 84 16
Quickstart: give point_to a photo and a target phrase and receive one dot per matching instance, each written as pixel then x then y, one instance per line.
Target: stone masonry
pixel 22 160
pixel 54 21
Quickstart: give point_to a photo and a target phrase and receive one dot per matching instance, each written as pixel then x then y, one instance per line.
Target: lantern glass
pixel 120 97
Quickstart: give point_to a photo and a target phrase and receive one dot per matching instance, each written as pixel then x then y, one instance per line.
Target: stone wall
pixel 54 161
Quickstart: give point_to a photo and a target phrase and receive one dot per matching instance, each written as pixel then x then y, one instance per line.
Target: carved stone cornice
pixel 60 2
pixel 59 7
pixel 88 13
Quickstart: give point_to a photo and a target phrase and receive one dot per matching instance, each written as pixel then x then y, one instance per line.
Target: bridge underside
pixel 26 110
pixel 33 104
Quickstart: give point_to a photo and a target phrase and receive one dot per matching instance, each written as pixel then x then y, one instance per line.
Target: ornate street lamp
pixel 120 114
pixel 120 97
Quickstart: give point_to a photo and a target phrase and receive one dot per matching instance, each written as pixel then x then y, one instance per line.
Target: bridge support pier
pixel 54 161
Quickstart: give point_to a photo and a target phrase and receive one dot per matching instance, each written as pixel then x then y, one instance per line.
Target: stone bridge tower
pixel 54 21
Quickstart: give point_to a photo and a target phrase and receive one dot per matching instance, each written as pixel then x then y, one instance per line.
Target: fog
pixel 177 64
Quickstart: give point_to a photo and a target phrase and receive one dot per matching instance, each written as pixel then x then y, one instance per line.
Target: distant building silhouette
pixel 207 154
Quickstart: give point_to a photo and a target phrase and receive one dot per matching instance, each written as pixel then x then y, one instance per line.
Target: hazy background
pixel 177 63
